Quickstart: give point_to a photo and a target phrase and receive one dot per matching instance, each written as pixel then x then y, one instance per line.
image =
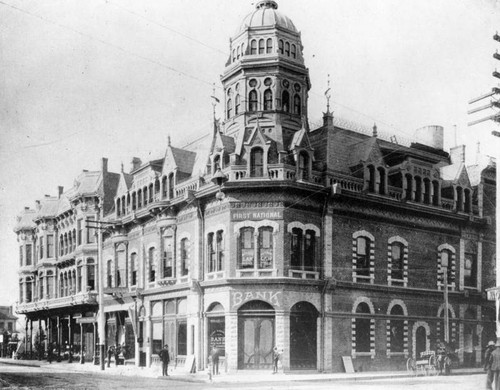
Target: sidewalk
pixel 234 377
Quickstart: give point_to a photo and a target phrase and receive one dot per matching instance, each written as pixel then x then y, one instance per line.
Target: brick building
pixel 325 242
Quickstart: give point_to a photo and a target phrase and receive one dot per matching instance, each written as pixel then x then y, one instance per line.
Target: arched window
pixel 238 53
pixel 285 101
pixel 261 46
pixel 237 102
pixel 435 195
pixel 252 100
pixel 229 108
pixel 409 187
pixel 297 108
pixel 371 178
pixel 280 46
pixel 269 46
pixel 362 258
pixel 253 47
pixel 90 274
pixel 397 329
pixel 139 199
pixel 418 189
pixel 133 269
pixel 234 55
pixel 168 254
pixel 460 199
pixel 294 51
pixel 381 185
pixel 118 207
pixel 447 264
pixel 303 172
pixel 296 249
pixel 362 328
pixel 268 99
pixel 256 162
pixel 287 49
pixel 427 191
pixel 171 184
pixel 397 261
pixel 152 264
pixel 134 203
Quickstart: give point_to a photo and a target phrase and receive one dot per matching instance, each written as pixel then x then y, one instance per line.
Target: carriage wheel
pixel 411 366
pixel 433 365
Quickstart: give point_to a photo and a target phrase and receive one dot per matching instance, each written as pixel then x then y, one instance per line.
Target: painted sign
pixel 273 297
pixel 256 215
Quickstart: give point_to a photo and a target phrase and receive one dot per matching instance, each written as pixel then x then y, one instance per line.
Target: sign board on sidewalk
pixel 348 366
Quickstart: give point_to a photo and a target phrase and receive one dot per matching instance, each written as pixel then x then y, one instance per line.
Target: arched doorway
pixel 255 335
pixel 420 341
pixel 216 327
pixel 303 336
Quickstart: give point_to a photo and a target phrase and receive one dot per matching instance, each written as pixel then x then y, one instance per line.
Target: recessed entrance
pixel 303 336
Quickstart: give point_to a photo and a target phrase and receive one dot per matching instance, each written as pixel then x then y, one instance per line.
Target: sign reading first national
pixel 256 215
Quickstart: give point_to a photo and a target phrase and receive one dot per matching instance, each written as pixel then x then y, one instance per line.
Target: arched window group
pixel 303 246
pixel 260 46
pixel 239 51
pixel 215 251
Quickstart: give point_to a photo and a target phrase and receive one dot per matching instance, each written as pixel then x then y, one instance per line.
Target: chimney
pixel 104 165
pixel 457 154
pixel 60 190
pixel 136 163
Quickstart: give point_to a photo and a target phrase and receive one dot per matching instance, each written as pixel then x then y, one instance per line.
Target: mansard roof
pixel 48 208
pixel 25 220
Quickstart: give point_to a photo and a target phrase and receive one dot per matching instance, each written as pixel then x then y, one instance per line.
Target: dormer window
pixel 303 166
pixel 257 162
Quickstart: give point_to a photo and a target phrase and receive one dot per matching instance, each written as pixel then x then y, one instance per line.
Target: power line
pixel 167 28
pixel 116 47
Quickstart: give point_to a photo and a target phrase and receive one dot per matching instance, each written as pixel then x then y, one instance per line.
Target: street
pixel 12 376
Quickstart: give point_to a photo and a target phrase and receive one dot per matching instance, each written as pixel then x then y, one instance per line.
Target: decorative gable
pixel 463 178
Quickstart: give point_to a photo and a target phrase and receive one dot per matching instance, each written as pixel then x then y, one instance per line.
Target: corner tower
pixel 265 81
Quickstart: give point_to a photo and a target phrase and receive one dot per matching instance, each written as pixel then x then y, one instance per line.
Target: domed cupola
pixel 265 76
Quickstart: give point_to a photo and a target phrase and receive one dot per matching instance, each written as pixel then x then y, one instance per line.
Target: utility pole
pixel 493 293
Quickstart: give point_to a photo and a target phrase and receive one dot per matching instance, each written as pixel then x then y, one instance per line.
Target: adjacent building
pixel 326 242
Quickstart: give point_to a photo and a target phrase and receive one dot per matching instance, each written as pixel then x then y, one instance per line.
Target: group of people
pixel 492 365
pixel 114 351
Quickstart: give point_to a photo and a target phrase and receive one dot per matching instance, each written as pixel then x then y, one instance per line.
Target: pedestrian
pixel 111 352
pixel 117 355
pixel 495 364
pixel 276 358
pixel 214 354
pixel 487 364
pixel 165 359
pixel 49 353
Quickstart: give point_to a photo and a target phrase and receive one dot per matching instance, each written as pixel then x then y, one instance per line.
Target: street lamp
pixel 219 179
pixel 444 266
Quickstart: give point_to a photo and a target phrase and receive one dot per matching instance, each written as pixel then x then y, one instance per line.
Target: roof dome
pixel 266 15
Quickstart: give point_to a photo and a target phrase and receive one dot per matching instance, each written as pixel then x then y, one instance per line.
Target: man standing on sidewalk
pixel 487 364
pixel 495 365
pixel 165 359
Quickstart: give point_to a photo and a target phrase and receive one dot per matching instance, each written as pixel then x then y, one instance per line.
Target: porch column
pixel 47 332
pixel 31 339
pixel 70 341
pixel 231 330
pixel 282 340
pixel 40 342
pixel 149 341
pixel 96 352
pixel 59 338
pixel 82 344
pixel 27 335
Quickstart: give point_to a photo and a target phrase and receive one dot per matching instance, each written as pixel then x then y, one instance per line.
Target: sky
pixel 82 80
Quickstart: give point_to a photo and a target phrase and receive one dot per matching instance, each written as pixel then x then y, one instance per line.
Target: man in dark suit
pixel 495 365
pixel 165 359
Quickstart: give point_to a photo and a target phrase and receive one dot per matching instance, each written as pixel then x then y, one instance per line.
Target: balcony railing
pixel 54 303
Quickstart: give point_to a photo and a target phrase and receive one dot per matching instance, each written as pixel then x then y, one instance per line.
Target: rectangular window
pixel 40 253
pixel 247 248
pixel 29 292
pixel 396 261
pixel 91 277
pixel 91 223
pixel 296 248
pixel 50 246
pixel 79 279
pixel 168 257
pixel 21 290
pixel 152 265
pixel 21 256
pixel 182 338
pixel 80 231
pixel 29 254
pixel 50 286
pixel 133 267
pixel 211 253
pixel 184 257
pixel 220 250
pixel 40 288
pixel 470 270
pixel 109 276
pixel 363 257
pixel 265 247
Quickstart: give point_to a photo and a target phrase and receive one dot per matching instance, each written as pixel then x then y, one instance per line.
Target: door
pixel 420 341
pixel 256 341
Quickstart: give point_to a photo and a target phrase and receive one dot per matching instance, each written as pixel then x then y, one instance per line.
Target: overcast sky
pixel 81 80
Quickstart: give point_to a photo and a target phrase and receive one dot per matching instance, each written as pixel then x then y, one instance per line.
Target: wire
pixel 116 47
pixel 167 28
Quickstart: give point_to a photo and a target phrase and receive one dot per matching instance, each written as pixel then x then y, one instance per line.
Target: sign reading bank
pixel 256 215
pixel 275 298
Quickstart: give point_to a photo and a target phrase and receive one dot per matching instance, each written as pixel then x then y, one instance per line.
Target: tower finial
pixel 375 134
pixel 168 140
pixel 122 167
pixel 215 100
pixel 328 95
